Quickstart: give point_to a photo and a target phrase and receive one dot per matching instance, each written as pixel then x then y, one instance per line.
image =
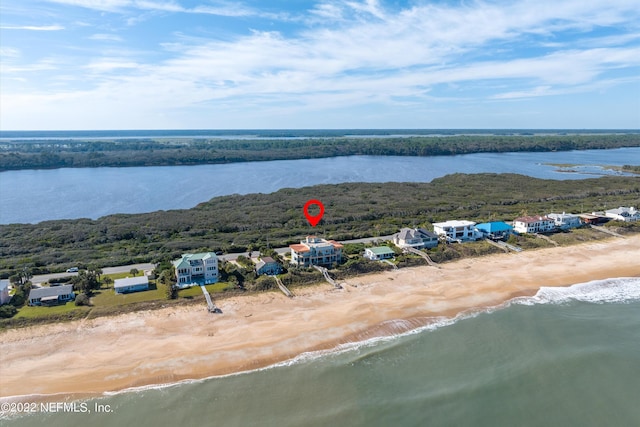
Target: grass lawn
pixel 35 311
pixel 106 296
pixel 195 291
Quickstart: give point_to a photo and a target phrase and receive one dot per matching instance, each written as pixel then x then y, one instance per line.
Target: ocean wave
pixel 615 290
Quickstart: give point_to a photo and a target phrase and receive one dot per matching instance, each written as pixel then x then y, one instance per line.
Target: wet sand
pixel 90 357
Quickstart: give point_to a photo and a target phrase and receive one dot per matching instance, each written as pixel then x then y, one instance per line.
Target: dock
pixel 328 278
pixel 423 255
pixel 282 287
pixel 210 305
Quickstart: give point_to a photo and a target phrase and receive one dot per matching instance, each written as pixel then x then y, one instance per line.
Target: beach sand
pixel 88 357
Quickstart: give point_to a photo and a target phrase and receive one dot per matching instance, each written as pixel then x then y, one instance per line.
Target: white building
pixel 131 284
pixel 4 291
pixel 417 238
pixel 379 253
pixel 623 214
pixel 456 230
pixel 534 224
pixel 564 221
pixel 196 269
pixel 316 251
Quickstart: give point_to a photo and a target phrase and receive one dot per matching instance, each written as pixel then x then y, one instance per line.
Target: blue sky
pixel 209 64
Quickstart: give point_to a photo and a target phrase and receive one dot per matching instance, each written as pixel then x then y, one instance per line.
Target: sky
pixel 296 64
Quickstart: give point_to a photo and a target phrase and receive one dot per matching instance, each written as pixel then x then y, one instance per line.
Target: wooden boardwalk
pixel 328 278
pixel 210 305
pixel 282 287
pixel 605 230
pixel 423 255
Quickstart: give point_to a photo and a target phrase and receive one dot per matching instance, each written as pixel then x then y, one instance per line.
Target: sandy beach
pixel 153 347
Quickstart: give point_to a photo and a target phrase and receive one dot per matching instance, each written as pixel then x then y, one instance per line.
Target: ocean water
pixel 565 357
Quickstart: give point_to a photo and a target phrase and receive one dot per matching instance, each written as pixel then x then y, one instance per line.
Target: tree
pixel 86 281
pixel 172 291
pixel 134 272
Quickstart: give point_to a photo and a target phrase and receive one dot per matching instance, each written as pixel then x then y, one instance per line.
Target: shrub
pixel 82 299
pixel 7 311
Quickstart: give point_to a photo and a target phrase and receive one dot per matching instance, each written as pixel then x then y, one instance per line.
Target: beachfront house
pixel 51 295
pixel 269 266
pixel 565 221
pixel 417 238
pixel 494 230
pixel 456 230
pixel 316 251
pixel 378 253
pixel 131 284
pixel 196 269
pixel 4 291
pixel 626 214
pixel 594 218
pixel 534 224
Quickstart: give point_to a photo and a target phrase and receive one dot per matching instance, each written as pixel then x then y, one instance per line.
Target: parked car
pixel 72 270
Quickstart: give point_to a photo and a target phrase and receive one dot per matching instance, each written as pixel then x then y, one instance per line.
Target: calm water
pixel 566 357
pixel 38 195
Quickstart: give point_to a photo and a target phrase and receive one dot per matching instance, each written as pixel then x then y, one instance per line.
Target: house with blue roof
pixel 495 230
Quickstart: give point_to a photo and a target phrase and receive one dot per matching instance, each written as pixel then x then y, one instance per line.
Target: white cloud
pixel 106 37
pixel 34 27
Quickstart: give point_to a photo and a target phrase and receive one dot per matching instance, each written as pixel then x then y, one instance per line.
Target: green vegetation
pixel 175 151
pixel 231 223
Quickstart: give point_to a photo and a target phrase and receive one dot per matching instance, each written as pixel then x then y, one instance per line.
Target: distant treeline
pixel 236 223
pixel 44 154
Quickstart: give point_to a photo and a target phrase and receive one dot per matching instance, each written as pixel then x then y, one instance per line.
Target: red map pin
pixel 313 219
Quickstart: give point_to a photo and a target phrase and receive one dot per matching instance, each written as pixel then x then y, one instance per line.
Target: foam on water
pixel 616 290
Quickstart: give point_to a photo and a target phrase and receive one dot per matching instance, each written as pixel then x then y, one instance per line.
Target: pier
pixel 282 287
pixel 210 305
pixel 423 255
pixel 328 278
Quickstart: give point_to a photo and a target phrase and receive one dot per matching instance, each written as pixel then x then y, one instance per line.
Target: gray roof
pixel 52 291
pixel 416 233
pixel 130 281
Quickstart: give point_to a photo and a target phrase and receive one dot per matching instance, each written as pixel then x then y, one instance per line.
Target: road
pixel 42 278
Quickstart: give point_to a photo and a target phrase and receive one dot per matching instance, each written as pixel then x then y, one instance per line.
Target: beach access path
pixel 253 331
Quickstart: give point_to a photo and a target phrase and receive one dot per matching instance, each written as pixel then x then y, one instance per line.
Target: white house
pixel 625 214
pixel 316 251
pixel 4 291
pixel 456 230
pixel 534 224
pixel 196 269
pixel 417 238
pixel 51 295
pixel 564 221
pixel 378 253
pixel 131 284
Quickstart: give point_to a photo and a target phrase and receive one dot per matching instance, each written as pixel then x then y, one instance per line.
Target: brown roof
pixel 335 244
pixel 299 248
pixel 267 259
pixel 529 219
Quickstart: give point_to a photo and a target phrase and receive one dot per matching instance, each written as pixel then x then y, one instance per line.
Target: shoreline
pixel 174 344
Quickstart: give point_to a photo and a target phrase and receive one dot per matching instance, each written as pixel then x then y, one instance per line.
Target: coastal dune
pixel 89 357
